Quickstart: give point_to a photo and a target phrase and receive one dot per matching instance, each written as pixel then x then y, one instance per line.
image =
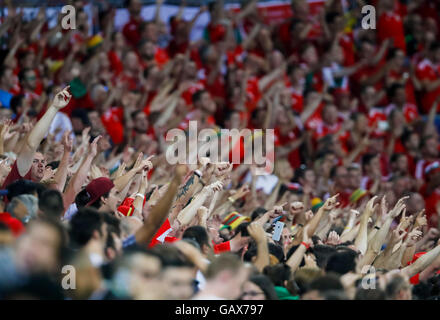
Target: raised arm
pixel 159 213
pixel 361 242
pixel 329 205
pixel 61 174
pixel 39 131
pixel 296 258
pixel 80 176
pixel 257 232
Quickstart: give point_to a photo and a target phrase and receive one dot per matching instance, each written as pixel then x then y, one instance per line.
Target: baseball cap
pixel 97 188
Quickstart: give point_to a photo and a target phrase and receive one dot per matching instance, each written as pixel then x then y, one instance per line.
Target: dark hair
pixel 16 102
pixel 277 251
pixel 197 233
pixel 292 251
pixel 83 198
pixel 300 173
pixel 265 285
pixel 20 187
pixel 51 203
pixel 392 53
pixel 242 229
pixel 170 256
pixel 391 92
pixel 278 274
pixel 326 283
pixel 24 186
pixel 434 46
pixel 113 223
pixel 424 139
pixel 22 73
pixel 83 224
pixel 81 114
pixel 396 156
pixel 370 294
pixel 367 158
pixel 37 286
pixel 342 262
pixel 330 17
pixel 197 96
pixel 258 212
pixel 113 227
pixel 395 285
pixel 224 262
pixel 54 164
pixel 322 253
pixel 406 135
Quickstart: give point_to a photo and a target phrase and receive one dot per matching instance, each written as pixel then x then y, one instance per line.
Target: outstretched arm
pixel 159 213
pixel 37 134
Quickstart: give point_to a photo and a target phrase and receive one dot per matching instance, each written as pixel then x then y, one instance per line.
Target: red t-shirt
pixel 426 70
pixel 112 120
pixel 131 32
pixel 390 25
pixel 431 201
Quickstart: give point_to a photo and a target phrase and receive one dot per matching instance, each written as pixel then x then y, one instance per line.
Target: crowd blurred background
pixel 86 182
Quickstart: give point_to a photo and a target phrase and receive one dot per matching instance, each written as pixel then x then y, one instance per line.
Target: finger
pixel 284 204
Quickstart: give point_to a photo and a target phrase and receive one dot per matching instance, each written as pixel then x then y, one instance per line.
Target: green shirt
pixel 284 294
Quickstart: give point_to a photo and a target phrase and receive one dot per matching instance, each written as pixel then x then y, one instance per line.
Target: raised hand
pixel 62 98
pixel 333 238
pixel 214 187
pixel 277 211
pixel 398 208
pixel 257 232
pixel 240 193
pixel 421 220
pixel 94 146
pixel 67 142
pixel 331 203
pixel 414 236
pixel 296 208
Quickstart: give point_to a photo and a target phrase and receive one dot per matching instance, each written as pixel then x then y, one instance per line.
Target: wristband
pixel 305 245
pixel 376 227
pixel 198 173
pixel 300 225
pixel 231 200
pixel 140 195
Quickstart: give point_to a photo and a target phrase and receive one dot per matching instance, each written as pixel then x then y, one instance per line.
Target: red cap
pixel 97 188
pixel 15 225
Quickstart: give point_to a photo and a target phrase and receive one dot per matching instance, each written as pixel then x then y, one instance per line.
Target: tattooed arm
pixel 192 186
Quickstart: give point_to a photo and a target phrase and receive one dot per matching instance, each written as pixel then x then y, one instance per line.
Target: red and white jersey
pixel 426 70
pixel 409 110
pixel 422 166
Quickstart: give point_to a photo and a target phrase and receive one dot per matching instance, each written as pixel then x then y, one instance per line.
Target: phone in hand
pixel 278 229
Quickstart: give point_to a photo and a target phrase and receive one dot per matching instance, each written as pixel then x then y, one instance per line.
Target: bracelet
pixel 305 245
pixel 231 200
pixel 300 225
pixel 140 195
pixel 198 173
pixel 376 227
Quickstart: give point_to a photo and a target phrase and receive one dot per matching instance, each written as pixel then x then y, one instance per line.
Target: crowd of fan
pixel 91 208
